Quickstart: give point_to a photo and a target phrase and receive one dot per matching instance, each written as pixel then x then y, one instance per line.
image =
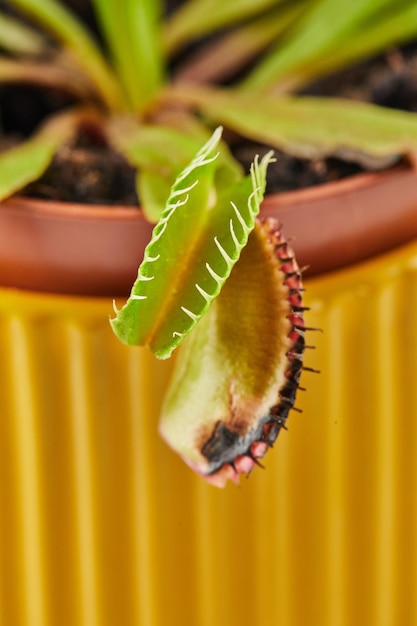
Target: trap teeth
pixel 258 449
pixel 244 464
pixel 292 278
pixel 234 420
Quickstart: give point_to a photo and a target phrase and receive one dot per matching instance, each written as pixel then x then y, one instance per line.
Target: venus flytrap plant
pixel 213 266
pixel 194 246
pixel 237 374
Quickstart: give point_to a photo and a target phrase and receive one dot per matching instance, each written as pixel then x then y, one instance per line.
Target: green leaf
pixel 324 26
pixel 378 35
pixel 26 162
pixel 64 25
pixel 230 370
pixel 132 33
pixel 199 17
pixel 46 74
pixel 194 246
pixel 314 127
pixel 222 58
pixel 19 38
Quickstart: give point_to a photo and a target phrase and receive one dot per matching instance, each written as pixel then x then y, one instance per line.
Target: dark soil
pixel 288 173
pixel 87 172
pixel 388 80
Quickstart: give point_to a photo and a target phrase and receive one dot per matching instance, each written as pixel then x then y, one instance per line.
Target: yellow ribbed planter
pixel 102 525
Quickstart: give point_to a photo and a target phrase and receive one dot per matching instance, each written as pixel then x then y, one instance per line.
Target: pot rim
pixel 96 249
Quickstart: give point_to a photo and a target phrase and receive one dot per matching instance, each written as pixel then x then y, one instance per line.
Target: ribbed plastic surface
pixel 102 525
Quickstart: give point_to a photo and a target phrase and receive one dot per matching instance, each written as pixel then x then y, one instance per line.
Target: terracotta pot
pixel 101 524
pixel 96 250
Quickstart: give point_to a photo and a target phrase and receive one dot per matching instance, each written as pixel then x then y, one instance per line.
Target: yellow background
pixel 102 525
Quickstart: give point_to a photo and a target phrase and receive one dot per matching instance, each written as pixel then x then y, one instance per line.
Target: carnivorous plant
pixel 215 276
